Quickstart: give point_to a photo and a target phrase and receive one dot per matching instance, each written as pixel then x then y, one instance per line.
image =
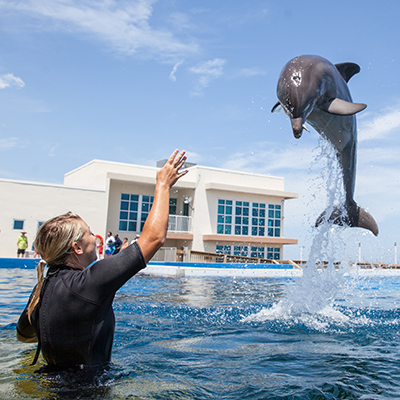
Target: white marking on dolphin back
pixel 296 78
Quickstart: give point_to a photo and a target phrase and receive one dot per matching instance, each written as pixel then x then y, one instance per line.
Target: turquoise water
pixel 227 338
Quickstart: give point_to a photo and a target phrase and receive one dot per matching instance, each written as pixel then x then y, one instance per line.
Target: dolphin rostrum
pixel 312 89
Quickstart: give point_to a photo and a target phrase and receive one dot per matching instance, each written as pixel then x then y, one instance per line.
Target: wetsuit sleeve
pixel 106 276
pixel 25 330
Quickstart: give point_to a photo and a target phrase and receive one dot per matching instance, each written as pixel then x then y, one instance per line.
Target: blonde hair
pixel 54 241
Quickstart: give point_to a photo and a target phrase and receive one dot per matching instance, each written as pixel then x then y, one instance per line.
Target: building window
pixel 258 219
pixel 147 202
pixel 248 220
pixel 273 253
pixel 241 251
pixel 220 249
pixel 274 220
pixel 257 252
pixel 224 217
pixel 172 206
pixel 133 211
pixel 39 224
pixel 18 224
pixel 242 218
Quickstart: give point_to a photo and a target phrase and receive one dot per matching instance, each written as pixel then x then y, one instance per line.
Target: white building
pixel 211 209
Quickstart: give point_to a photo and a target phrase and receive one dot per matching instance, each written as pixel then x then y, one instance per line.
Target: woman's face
pixel 88 244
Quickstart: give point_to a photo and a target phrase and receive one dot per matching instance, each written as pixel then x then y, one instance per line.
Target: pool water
pixel 226 338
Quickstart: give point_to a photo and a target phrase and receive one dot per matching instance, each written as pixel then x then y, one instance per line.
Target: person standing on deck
pixel 117 244
pixel 110 242
pixel 22 244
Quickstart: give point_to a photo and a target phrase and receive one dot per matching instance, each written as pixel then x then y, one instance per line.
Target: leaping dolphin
pixel 312 89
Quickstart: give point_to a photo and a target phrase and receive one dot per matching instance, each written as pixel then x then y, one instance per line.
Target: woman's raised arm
pixel 155 228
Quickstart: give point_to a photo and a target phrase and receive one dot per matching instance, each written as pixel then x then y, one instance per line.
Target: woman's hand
pixel 169 173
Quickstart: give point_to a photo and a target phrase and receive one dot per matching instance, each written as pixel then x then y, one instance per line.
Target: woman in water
pixel 70 310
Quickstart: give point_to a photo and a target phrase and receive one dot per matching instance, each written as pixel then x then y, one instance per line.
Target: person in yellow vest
pixel 22 244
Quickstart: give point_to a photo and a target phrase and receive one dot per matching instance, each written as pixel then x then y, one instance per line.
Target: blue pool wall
pixel 30 263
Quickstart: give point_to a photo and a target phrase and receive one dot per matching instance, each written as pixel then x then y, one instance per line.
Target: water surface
pixel 225 338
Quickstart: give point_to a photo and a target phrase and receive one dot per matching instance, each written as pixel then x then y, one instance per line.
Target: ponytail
pixel 54 241
pixel 36 295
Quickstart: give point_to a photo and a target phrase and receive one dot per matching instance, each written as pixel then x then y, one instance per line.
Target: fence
pixel 179 223
pixel 201 256
pixel 165 254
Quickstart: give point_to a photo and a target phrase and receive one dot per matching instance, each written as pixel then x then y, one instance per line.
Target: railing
pixel 179 223
pixel 202 256
pixel 367 265
pixel 165 254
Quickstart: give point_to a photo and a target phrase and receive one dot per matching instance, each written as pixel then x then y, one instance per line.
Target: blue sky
pixel 130 81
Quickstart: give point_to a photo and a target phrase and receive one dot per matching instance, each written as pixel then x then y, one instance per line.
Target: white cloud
pixel 268 158
pixel 378 155
pixel 208 71
pixel 380 126
pixel 173 72
pixel 6 144
pixel 9 80
pixel 249 73
pixel 211 68
pixel 51 149
pixel 193 157
pixel 125 25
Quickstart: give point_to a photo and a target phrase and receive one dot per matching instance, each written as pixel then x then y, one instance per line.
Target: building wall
pixel 204 185
pixel 34 202
pixel 94 191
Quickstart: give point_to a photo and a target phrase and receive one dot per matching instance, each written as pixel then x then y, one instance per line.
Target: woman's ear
pixel 77 248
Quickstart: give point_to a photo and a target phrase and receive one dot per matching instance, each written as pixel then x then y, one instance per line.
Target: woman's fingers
pixel 172 156
pixel 180 159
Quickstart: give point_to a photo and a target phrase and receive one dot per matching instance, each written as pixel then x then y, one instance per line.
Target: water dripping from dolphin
pixel 311 89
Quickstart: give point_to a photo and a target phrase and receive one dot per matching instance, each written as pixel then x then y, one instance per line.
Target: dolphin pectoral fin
pixel 276 108
pixel 342 107
pixel 347 70
pixel 355 217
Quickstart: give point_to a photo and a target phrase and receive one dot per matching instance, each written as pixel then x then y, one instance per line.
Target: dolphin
pixel 311 89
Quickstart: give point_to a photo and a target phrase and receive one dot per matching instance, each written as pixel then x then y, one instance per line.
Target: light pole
pixel 301 253
pixel 359 252
pixel 395 252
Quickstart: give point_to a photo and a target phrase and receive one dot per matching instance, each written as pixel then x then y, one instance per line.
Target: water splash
pixel 312 299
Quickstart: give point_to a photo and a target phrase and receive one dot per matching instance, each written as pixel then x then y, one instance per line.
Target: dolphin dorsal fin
pixel 347 70
pixel 276 108
pixel 342 107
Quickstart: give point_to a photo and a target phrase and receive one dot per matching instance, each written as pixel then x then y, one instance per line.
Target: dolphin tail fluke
pixel 354 217
pixel 366 221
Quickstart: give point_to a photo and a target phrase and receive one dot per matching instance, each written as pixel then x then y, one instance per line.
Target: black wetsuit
pixel 74 319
